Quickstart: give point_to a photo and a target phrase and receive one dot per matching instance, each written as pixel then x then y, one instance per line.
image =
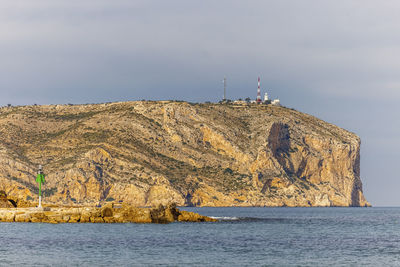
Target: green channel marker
pixel 40 179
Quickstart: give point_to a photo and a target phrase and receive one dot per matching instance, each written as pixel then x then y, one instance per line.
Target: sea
pixel 242 237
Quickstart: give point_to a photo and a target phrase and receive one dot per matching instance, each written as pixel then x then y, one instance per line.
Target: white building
pixel 265 97
pixel 276 102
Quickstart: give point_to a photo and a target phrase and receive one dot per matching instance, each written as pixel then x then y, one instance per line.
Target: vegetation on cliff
pixel 147 153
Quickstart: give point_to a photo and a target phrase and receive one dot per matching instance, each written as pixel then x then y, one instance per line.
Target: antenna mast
pixel 258 100
pixel 224 81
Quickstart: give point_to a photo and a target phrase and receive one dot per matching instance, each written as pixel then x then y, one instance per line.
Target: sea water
pixel 243 237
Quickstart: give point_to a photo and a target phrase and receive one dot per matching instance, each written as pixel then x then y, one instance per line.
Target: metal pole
pixel 40 180
pixel 224 88
pixel 258 92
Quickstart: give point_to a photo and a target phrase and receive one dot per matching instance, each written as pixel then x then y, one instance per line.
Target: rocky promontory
pixel 146 153
pixel 110 213
pixel 107 214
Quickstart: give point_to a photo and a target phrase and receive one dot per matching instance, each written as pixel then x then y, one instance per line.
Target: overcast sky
pixel 337 60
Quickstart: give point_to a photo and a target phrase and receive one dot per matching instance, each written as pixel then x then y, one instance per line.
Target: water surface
pixel 244 237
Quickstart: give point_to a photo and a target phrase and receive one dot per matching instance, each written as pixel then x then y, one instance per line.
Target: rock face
pixel 107 214
pixel 4 201
pixel 149 153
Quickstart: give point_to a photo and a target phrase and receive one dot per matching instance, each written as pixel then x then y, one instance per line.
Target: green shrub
pixel 228 170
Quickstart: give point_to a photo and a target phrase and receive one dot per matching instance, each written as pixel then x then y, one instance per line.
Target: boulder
pixel 38 217
pixel 7 216
pixel 107 212
pixel 187 216
pixel 4 202
pixel 23 217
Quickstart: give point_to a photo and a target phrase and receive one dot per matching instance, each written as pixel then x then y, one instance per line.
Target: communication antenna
pixel 258 100
pixel 224 81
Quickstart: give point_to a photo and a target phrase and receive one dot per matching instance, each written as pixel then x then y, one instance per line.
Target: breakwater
pixel 106 214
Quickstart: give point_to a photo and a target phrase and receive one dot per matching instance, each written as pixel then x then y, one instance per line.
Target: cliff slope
pixel 147 153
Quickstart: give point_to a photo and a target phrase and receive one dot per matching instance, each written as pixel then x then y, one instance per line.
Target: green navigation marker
pixel 40 179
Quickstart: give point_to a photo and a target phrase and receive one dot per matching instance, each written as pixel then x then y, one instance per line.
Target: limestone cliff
pixel 147 153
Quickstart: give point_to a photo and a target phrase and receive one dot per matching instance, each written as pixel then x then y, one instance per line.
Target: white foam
pixel 225 218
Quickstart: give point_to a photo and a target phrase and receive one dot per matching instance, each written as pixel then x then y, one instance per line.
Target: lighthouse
pixel 266 98
pixel 40 179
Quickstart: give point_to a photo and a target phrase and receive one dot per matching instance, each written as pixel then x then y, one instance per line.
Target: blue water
pixel 247 237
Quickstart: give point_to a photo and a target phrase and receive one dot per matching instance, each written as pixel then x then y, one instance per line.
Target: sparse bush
pixel 228 170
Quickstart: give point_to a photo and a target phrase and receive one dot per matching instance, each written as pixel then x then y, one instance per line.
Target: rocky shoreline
pixel 10 211
pixel 106 214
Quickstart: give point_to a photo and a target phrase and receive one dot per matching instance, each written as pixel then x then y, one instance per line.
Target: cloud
pixel 338 60
pixel 319 46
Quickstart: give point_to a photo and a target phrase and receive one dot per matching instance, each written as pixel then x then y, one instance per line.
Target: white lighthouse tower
pixel 266 97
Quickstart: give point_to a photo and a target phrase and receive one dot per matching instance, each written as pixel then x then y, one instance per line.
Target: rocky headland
pixel 146 153
pixel 106 214
pixel 110 213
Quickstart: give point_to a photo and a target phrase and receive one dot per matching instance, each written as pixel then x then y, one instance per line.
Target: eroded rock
pixel 108 214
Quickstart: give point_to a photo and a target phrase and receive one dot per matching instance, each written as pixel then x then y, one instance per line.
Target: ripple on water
pixel 244 236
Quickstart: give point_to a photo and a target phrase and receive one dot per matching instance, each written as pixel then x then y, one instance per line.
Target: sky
pixel 337 60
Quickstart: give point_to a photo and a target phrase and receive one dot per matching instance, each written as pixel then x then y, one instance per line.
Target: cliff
pixel 146 153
